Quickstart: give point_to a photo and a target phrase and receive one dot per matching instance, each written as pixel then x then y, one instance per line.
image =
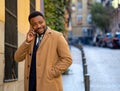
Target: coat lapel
pixel 46 36
pixel 32 44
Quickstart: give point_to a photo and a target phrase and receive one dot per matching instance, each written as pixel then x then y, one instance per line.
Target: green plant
pixel 54 14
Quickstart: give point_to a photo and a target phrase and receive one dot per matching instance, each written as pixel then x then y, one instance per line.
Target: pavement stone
pixel 74 80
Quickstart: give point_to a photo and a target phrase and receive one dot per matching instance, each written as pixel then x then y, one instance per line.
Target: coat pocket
pixel 49 73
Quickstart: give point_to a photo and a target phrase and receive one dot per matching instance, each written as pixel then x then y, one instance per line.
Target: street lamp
pixel 73 7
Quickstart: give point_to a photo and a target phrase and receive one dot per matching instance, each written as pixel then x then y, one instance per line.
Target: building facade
pixel 115 21
pixel 81 19
pixel 115 14
pixel 13 28
pixel 115 24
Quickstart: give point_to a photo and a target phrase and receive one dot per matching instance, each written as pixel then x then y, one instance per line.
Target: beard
pixel 40 30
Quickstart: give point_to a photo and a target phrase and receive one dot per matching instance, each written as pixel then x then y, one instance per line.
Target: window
pixel 79 19
pixel 89 18
pixel 11 67
pixel 79 6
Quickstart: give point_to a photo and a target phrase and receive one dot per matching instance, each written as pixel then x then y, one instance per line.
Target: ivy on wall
pixel 54 14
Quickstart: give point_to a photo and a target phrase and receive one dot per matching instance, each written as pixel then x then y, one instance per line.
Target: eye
pixel 40 22
pixel 34 24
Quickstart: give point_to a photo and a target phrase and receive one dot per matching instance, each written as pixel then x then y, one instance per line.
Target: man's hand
pixel 30 35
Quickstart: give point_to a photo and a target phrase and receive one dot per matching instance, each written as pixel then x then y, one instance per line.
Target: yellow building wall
pixel 2 22
pixel 38 5
pixel 85 12
pixel 2 10
pixel 23 12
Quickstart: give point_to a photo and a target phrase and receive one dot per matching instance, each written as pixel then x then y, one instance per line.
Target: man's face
pixel 38 24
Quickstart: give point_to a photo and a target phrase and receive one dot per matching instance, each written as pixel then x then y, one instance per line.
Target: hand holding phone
pixel 30 35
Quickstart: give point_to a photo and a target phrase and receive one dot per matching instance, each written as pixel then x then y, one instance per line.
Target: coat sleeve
pixel 20 53
pixel 64 60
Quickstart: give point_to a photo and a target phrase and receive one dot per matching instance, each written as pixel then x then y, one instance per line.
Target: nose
pixel 38 25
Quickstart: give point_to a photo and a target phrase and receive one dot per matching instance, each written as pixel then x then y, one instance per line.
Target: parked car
pixel 107 40
pixel 116 40
pixel 74 40
pixel 97 39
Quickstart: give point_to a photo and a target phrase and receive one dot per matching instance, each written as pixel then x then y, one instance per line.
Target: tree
pixel 100 16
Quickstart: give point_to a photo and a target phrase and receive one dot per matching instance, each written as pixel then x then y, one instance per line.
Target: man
pixel 46 55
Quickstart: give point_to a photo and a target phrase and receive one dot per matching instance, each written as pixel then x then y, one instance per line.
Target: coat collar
pixel 46 36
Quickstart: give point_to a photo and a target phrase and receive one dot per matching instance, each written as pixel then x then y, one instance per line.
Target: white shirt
pixel 39 38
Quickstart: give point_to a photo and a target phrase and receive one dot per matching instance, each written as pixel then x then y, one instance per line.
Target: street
pixel 103 68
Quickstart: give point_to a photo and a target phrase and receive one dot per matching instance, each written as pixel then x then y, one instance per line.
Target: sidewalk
pixel 74 81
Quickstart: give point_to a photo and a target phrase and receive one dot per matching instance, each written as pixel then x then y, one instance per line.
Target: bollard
pixel 81 49
pixel 83 54
pixel 85 69
pixel 84 60
pixel 87 82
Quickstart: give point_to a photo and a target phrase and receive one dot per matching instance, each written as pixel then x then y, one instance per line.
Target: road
pixel 103 68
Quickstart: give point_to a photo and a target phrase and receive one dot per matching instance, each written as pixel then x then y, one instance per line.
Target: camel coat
pixel 52 59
